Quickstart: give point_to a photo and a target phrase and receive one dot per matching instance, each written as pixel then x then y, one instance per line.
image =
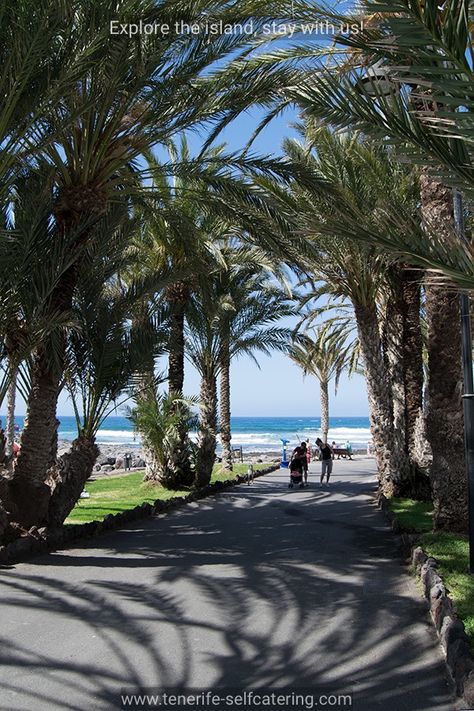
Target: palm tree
pixel 325 355
pixel 160 419
pixel 178 201
pixel 215 319
pixel 402 80
pixel 192 203
pixel 10 419
pixel 257 301
pixel 340 193
pixel 106 353
pixel 131 94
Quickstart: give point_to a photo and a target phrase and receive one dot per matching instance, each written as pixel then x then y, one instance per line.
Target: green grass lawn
pixel 413 516
pixel 119 493
pixel 451 550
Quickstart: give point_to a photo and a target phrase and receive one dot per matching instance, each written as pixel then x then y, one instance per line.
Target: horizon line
pixel 255 417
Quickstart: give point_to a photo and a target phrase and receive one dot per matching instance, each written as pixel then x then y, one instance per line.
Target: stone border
pixel 43 540
pixel 449 627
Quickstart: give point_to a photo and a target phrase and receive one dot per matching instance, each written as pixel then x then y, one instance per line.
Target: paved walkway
pixel 258 586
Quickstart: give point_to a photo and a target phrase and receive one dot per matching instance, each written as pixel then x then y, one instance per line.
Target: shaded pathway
pixel 258 586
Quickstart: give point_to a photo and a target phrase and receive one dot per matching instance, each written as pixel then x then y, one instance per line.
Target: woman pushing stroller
pixel 298 465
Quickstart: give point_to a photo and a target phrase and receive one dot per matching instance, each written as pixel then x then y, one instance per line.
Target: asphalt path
pixel 259 587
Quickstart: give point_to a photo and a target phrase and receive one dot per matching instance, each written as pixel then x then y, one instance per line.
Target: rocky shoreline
pixel 112 457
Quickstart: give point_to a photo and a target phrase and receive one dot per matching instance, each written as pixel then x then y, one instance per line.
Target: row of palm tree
pixel 84 111
pixel 404 81
pixel 120 246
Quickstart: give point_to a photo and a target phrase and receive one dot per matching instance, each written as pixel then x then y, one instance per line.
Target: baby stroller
pixel 296 469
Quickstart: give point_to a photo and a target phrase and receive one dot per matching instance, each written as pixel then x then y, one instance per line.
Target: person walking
pixel 304 456
pixel 297 463
pixel 326 460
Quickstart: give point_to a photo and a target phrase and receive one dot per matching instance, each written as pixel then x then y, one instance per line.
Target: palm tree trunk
pixel 225 407
pixel 11 403
pixel 394 351
pixel 145 388
pixel 324 402
pixel 207 429
pixel 29 493
pixel 379 396
pixel 404 358
pixel 412 358
pixel 178 295
pixel 70 475
pixel 176 346
pixel 445 422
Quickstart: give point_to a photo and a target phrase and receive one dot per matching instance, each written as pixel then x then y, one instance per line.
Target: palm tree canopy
pixel 325 353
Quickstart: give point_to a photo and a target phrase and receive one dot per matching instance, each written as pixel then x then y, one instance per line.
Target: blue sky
pixel 278 388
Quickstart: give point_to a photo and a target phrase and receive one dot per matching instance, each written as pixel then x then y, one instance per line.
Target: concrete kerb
pixel 449 628
pixel 38 541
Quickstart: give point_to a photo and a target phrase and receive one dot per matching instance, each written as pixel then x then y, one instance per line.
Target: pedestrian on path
pixel 297 463
pixel 326 457
pixel 304 456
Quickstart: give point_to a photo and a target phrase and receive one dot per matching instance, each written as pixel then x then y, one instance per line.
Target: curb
pixel 449 627
pixel 38 541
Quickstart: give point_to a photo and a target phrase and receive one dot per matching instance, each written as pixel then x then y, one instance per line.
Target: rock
pixel 119 463
pixel 419 557
pixel 459 661
pixel 111 460
pixel 108 522
pixel 55 537
pixel 20 548
pixel 98 467
pixel 441 607
pixel 437 590
pixel 468 692
pixel 103 460
pixel 451 630
pixel 107 468
pixel 429 575
pixel 138 463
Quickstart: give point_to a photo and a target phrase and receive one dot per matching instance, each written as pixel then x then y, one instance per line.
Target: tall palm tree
pixel 258 301
pixel 131 94
pixel 403 80
pixel 178 200
pixel 344 181
pixel 208 327
pixel 193 203
pixel 106 353
pixel 10 419
pixel 325 355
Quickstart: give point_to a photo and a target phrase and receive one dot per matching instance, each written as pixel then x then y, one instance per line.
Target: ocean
pixel 250 433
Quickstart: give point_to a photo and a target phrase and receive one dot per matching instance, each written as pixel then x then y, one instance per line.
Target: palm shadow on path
pixel 256 587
